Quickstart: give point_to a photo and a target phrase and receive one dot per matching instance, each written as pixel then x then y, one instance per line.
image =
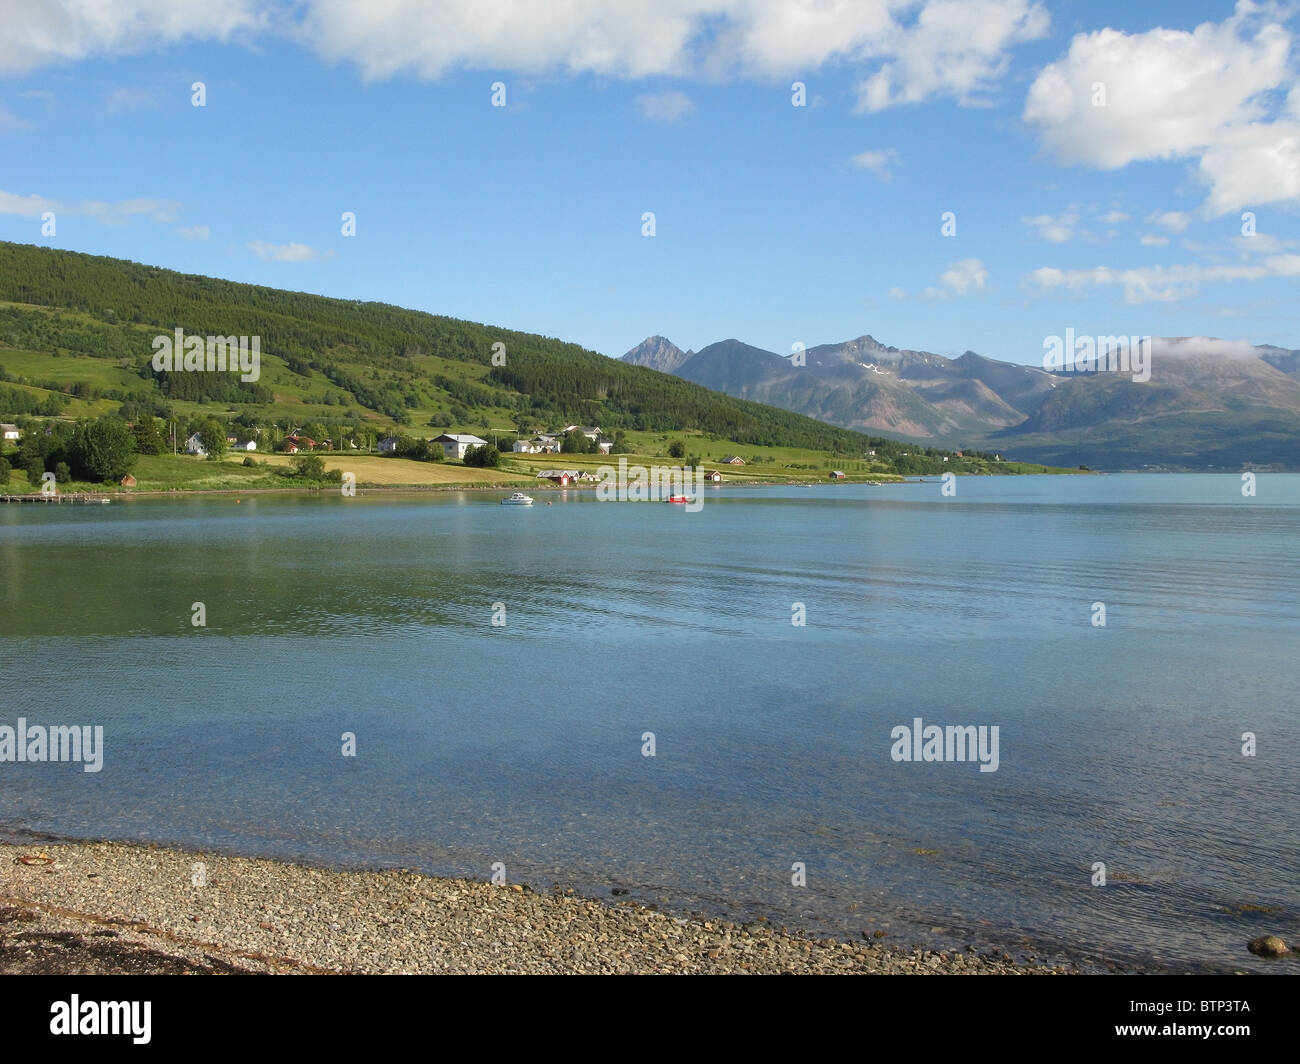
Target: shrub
pixel 485 456
pixel 309 466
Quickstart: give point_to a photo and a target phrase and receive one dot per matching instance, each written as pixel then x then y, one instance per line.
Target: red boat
pixel 677 498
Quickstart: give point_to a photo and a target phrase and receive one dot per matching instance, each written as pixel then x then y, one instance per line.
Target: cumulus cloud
pixel 1211 95
pixel 954 48
pixel 194 232
pixel 897 293
pixel 36 33
pixel 961 278
pixel 665 107
pixel 913 49
pixel 1151 240
pixel 288 252
pixel 1164 284
pixel 950 47
pixel 878 162
pixel 968 275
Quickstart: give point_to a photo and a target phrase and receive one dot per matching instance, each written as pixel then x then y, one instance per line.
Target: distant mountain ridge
pixel 1210 403
pixel 657 352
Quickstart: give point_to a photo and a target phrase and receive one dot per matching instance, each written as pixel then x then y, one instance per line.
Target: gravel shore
pixel 106 908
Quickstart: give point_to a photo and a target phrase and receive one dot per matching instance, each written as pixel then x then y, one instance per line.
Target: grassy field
pixel 401 472
pixel 187 473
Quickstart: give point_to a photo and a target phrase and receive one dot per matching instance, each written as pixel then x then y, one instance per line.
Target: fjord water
pixel 523 743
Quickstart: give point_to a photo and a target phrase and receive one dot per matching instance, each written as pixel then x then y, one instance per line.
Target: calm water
pixel 523 744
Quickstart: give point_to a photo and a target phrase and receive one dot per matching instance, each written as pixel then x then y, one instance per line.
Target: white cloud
pixel 26 206
pixel 1172 221
pixel 120 213
pixel 1199 346
pixel 878 162
pixel 954 48
pixel 1262 244
pixel 1151 240
pixel 194 232
pixel 968 275
pixel 665 107
pixel 897 293
pixel 107 213
pixel 1115 217
pixel 912 49
pixel 1253 164
pixel 1210 95
pixel 1056 229
pixel 36 33
pixel 1166 284
pixel 288 252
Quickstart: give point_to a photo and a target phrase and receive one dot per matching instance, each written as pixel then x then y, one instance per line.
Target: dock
pixel 60 497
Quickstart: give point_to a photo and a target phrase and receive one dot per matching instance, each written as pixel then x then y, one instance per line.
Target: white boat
pixel 518 499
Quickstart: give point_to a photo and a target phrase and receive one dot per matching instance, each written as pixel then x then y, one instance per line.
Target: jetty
pixel 60 497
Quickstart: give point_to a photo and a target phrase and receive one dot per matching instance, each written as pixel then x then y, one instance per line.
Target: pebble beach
pixel 106 908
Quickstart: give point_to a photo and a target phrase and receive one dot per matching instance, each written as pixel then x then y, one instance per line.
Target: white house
pixel 388 445
pixel 455 444
pixel 194 445
pixel 9 432
pixel 546 443
pixel 246 445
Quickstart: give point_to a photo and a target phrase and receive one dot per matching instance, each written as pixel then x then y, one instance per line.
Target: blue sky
pixel 774 224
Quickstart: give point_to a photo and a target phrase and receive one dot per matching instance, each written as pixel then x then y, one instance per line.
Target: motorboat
pixel 518 499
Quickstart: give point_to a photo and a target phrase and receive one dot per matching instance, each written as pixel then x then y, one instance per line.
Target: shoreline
pixel 418 489
pixel 107 907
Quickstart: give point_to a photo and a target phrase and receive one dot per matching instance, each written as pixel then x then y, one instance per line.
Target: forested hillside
pixel 59 310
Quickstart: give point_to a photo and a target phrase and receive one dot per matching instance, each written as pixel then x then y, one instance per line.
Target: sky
pixel 944 175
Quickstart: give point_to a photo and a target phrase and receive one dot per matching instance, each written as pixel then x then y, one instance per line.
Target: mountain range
pixel 1207 404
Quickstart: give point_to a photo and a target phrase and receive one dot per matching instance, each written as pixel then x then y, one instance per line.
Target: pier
pixel 59 497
